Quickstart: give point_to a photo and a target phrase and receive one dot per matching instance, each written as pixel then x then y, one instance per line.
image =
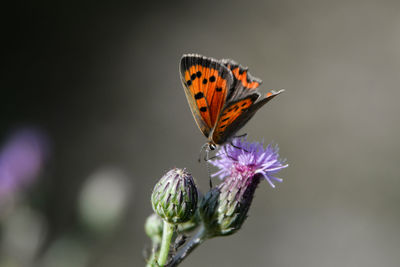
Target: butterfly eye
pixel 213 147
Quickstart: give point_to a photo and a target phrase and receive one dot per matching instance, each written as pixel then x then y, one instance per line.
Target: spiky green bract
pixel 224 208
pixel 174 197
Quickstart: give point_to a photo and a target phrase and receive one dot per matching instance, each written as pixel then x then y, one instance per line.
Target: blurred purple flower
pixel 21 159
pixel 245 159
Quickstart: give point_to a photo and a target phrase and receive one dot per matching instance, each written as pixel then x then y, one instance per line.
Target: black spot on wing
pixel 199 95
pixel 189 60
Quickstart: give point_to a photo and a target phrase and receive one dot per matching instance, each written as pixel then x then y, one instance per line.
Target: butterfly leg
pixel 231 143
pixel 206 158
pixel 201 151
pixel 242 135
pixel 208 166
pixel 239 136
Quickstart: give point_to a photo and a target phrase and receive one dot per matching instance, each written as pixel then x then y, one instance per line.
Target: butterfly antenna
pixel 225 153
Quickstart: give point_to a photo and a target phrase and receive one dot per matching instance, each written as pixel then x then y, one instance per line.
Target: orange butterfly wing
pixel 243 102
pixel 244 83
pixel 223 129
pixel 206 82
pixel 237 114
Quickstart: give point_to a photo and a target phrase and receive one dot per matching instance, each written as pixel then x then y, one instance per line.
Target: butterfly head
pixel 212 146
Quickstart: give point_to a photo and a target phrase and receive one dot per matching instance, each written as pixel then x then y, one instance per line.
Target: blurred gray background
pixel 101 80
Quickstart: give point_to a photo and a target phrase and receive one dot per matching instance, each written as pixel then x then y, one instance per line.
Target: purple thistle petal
pixel 277 179
pixel 245 159
pixel 270 182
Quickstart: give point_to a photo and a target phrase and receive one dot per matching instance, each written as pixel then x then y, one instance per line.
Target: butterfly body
pixel 222 96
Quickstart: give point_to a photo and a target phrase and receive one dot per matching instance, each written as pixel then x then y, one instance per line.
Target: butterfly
pixel 222 96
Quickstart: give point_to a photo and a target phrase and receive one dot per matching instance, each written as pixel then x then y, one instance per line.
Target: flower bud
pixel 224 208
pixel 174 197
pixel 154 227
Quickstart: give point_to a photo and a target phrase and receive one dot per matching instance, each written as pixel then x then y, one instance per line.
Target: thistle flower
pixel 174 197
pixel 248 159
pixel 242 165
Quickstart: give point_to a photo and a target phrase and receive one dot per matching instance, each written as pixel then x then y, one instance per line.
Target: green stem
pixel 152 260
pixel 199 238
pixel 168 231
